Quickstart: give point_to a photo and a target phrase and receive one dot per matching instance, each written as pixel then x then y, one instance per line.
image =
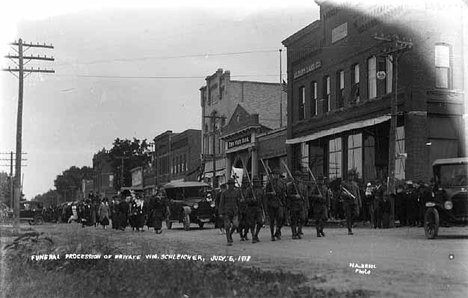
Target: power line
pixel 156 77
pixel 206 55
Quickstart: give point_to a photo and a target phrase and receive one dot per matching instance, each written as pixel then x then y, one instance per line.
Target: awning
pixel 339 129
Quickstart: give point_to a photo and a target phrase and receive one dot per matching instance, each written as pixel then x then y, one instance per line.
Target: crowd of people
pixel 122 211
pixel 281 202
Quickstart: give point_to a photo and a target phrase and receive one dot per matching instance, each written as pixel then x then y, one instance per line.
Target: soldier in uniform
pixel 275 190
pixel 321 204
pixel 229 209
pixel 256 202
pixel 297 193
pixel 351 198
pixel 243 210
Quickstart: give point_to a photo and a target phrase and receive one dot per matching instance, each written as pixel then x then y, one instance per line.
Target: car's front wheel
pixel 38 220
pixel 431 223
pixel 187 222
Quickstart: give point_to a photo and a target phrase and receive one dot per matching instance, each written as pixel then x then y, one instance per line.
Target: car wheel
pixel 168 224
pixel 431 223
pixel 187 222
pixel 201 224
pixel 38 220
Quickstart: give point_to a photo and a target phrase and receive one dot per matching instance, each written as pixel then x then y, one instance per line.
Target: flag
pixel 285 86
pixel 237 174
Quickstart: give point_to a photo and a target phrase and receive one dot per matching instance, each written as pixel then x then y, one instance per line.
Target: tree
pixel 70 181
pixel 50 198
pixel 132 153
pixel 5 189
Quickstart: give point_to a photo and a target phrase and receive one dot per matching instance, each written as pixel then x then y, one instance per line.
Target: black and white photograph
pixel 205 149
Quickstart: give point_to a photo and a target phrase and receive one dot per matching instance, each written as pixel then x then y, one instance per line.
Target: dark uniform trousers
pixel 297 214
pixel 349 206
pixel 231 222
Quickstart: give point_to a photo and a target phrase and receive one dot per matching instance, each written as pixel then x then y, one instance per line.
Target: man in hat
pixel 229 209
pixel 412 203
pixel 351 199
pixel 243 212
pixel 256 202
pixel 275 193
pixel 321 204
pixel 297 193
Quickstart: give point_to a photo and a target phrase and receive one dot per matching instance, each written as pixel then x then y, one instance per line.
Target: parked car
pixel 188 202
pixel 32 211
pixel 449 203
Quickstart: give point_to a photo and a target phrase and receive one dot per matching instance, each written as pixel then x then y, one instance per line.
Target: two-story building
pixel 103 180
pixel 342 79
pixel 226 101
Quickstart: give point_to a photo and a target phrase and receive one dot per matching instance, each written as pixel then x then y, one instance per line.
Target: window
pixel 302 98
pixel 316 158
pixel 111 180
pixel 185 168
pixel 326 94
pixel 221 91
pixel 400 148
pixel 442 64
pixel 340 89
pixel 334 159
pixel 304 155
pixel 354 96
pixel 313 99
pixel 173 165
pixel 389 76
pixel 355 154
pixel 370 172
pixel 372 77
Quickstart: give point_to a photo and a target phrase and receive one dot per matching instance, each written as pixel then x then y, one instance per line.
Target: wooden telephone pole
pixel 22 47
pixel 398 46
pixel 213 122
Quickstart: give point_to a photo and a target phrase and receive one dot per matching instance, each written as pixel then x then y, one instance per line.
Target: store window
pixel 313 99
pixel 111 180
pixel 304 156
pixel 316 158
pixel 442 64
pixel 354 96
pixel 370 172
pixel 372 77
pixel 302 99
pixel 334 159
pixel 355 154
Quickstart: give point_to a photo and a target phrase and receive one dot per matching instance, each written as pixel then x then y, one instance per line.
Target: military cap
pixel 230 181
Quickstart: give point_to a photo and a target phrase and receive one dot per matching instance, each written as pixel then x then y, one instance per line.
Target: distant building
pixel 341 82
pixel 226 101
pixel 176 156
pixel 103 181
pixel 87 186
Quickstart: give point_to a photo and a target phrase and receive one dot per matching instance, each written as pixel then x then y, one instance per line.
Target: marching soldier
pixel 256 203
pixel 297 192
pixel 229 208
pixel 275 192
pixel 243 212
pixel 351 200
pixel 321 204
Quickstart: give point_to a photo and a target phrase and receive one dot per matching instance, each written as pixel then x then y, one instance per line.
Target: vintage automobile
pixel 188 203
pixel 32 211
pixel 449 203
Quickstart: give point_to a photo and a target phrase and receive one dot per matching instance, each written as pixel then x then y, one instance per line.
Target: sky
pixel 127 69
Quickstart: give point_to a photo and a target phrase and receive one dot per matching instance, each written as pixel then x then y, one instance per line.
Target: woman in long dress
pixel 104 212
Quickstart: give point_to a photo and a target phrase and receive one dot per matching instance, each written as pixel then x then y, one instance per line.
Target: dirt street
pixel 403 263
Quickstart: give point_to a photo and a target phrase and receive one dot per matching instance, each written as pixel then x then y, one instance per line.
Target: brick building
pixel 103 181
pixel 341 84
pixel 228 100
pixel 176 157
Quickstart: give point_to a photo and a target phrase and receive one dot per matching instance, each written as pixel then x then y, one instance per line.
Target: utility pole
pixel 122 170
pixel 281 91
pixel 19 124
pixel 394 52
pixel 12 160
pixel 213 121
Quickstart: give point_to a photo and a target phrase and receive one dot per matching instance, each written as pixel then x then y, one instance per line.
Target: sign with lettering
pixel 239 142
pixel 339 32
pixel 309 68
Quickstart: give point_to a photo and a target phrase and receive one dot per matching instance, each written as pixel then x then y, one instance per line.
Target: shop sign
pixel 238 142
pixel 309 68
pixel 339 32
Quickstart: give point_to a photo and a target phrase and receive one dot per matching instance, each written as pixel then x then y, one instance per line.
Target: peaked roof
pixel 242 118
